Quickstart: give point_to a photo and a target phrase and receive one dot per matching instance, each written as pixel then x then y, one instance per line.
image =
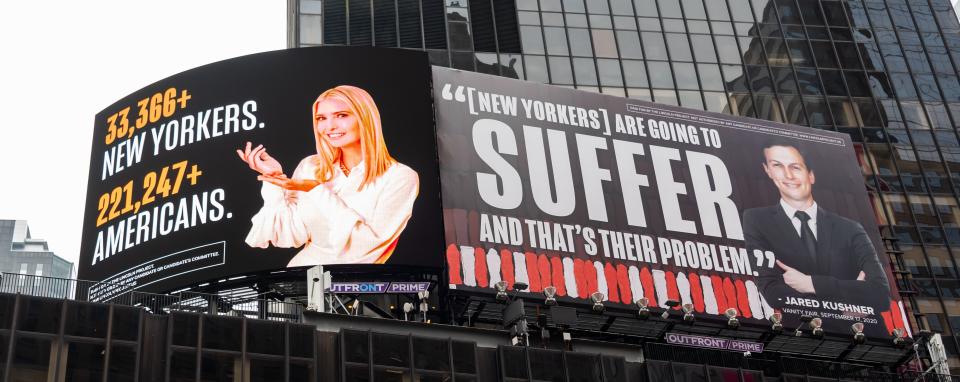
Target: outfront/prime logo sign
pixel 379 287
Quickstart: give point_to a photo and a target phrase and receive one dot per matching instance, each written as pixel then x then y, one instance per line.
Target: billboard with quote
pixel 591 193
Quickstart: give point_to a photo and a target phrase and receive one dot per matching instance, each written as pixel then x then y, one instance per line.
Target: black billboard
pixel 282 159
pixel 590 193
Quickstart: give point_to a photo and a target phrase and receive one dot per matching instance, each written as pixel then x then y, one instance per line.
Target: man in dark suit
pixel 819 254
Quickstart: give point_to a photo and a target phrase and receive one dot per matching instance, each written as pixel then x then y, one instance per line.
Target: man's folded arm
pixel 873 291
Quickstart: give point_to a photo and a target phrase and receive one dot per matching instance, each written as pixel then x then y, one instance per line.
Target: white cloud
pixel 64 61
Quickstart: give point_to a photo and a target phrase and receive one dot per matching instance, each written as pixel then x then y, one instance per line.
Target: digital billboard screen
pixel 282 159
pixel 592 193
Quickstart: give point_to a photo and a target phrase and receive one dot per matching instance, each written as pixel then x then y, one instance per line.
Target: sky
pixel 64 61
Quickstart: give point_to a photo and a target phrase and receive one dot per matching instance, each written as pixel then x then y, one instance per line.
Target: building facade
pixel 24 255
pixel 883 71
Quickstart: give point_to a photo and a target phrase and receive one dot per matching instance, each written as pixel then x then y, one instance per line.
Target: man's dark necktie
pixel 806 235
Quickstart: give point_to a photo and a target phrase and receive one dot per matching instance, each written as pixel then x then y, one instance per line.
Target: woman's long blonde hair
pixel 376 158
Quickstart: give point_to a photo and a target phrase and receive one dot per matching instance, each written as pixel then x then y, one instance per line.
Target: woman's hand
pixel 290 184
pixel 259 161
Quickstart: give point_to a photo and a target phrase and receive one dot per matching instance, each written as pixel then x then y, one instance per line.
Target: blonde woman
pixel 348 203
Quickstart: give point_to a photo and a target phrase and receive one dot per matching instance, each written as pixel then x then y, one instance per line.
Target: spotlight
pixel 688 313
pixel 816 327
pixel 858 336
pixel 501 287
pixel 644 310
pixel 732 321
pixel 900 338
pixel 804 319
pixel 670 305
pixel 597 298
pixel 777 320
pixel 407 309
pixel 424 305
pixel 550 292
pixel 520 286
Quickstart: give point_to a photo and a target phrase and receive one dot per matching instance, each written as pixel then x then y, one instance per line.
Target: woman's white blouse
pixel 335 222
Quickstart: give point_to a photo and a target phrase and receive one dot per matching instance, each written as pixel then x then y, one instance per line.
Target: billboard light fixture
pixel 804 319
pixel 670 305
pixel 858 336
pixel 550 292
pixel 688 313
pixel 900 338
pixel 597 298
pixel 777 322
pixel 732 321
pixel 816 327
pixel 643 308
pixel 501 287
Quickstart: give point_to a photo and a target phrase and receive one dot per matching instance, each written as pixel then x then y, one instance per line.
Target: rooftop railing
pixel 123 294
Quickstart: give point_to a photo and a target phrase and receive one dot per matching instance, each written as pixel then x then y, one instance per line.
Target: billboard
pixel 282 159
pixel 592 193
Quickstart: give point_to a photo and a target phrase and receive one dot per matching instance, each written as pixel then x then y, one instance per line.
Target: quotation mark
pixel 458 94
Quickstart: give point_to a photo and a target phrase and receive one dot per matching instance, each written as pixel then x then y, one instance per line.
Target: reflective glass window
pixel 793 109
pixel 727 47
pixel 740 9
pixel 598 7
pixel 645 7
pixel 574 6
pixel 584 71
pixel 857 84
pixel 717 10
pixel 823 53
pixel 621 7
pixel 809 81
pixel 536 68
pixel 716 102
pixel 734 79
pixel 664 96
pixel 576 20
pixel 710 77
pixel 556 39
pixel 649 24
pixel 784 80
pixel 703 48
pixel 818 114
pixel 623 22
pixel 580 42
pixel 629 43
pixel 600 21
pixel 698 26
pixel 653 46
pixel 552 19
pixel 604 44
pixel 679 47
pixel 691 99
pixel 670 8
pixel 752 51
pixel 810 11
pixel 789 14
pixel 532 40
pixel 800 53
pixel 660 74
pixel 759 79
pixel 610 72
pixel 833 82
pixel 686 76
pixel 634 73
pixel 693 9
pixel 560 71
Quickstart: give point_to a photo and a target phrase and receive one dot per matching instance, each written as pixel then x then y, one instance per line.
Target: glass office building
pixel 883 71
